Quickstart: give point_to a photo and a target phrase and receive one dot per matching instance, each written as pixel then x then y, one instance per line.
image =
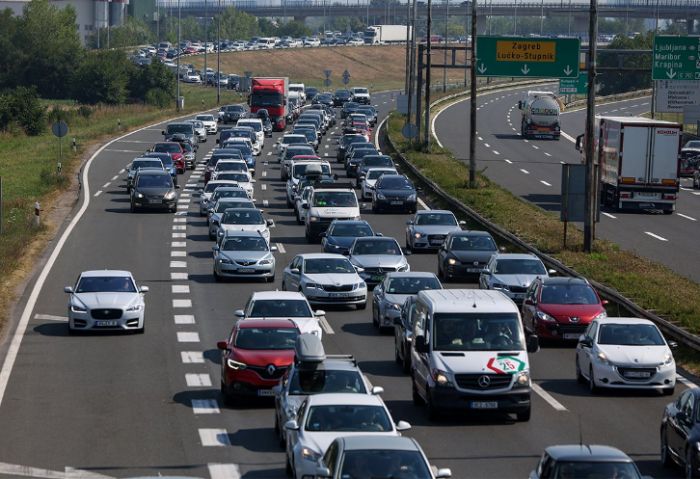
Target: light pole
pixel 591 184
pixel 515 21
pixel 569 17
pixel 408 45
pixel 206 40
pixel 472 103
pixel 541 17
pixel 218 56
pixel 444 60
pixel 179 51
pixel 428 67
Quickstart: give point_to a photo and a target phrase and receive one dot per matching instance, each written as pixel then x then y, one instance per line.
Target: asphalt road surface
pixel 136 405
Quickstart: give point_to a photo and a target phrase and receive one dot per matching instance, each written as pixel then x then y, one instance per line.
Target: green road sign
pixel 574 86
pixel 676 58
pixel 527 57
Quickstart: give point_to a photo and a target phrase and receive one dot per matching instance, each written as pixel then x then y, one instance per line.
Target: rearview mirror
pixel 403 426
pixel 68 289
pixel 377 390
pixel 222 345
pixel 323 472
pixel 585 342
pixel 239 313
pixel 294 271
pixel 552 271
pixel 215 248
pixel 273 248
pixel 269 222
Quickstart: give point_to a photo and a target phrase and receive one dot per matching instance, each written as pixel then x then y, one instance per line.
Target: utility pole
pixel 218 56
pixel 408 46
pixel 206 40
pixel 515 21
pixel 466 43
pixel 541 17
pixel 428 65
pixel 444 60
pixel 413 91
pixel 591 166
pixel 472 102
pixel 179 52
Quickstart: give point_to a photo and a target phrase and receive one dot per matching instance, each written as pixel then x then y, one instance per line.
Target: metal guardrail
pixel 667 327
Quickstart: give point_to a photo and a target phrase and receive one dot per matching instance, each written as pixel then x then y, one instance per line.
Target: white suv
pixel 327 203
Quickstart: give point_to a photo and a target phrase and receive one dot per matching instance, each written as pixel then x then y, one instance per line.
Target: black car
pixel 341 233
pixel 323 99
pixel 345 142
pixel 394 192
pixel 349 107
pixel 583 461
pixel 341 97
pixel 311 93
pixel 680 433
pixel 153 189
pixel 464 254
pixel 233 113
pixel 181 132
pixel 355 156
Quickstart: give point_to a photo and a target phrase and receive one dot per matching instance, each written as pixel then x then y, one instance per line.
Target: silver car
pixel 429 228
pixel 220 208
pixel 389 295
pixel 244 254
pixel 233 192
pixel 207 192
pixel 377 256
pixel 200 130
pixel 512 274
pixel 106 300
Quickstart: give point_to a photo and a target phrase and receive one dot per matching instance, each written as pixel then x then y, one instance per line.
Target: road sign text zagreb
pixel 527 57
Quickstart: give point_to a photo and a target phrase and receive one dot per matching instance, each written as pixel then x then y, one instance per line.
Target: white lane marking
pixel 180 289
pixel 205 406
pixel 190 185
pixel 183 201
pixel 263 187
pixel 563 163
pixel 487 145
pixel 548 397
pixel 214 437
pixel 18 470
pixel 99 192
pixel 178 254
pixel 381 123
pixel 512 128
pixel 115 177
pixel 269 153
pixel 525 171
pixel 567 136
pixel 187 337
pixel 495 152
pixel 686 382
pixel 696 193
pixel 266 203
pixel 526 141
pixel 480 138
pixel 122 170
pixel 179 227
pixel 182 303
pixel 508 161
pixel 280 248
pixel 185 195
pixel 645 103
pixel 325 325
pixel 686 189
pixel 608 215
pixel 224 471
pixel 536 147
pixel 50 317
pixel 653 235
pixel 179 235
pixel 197 380
pixel 547 154
pixel 178 244
pixel 184 318
pixel 106 185
pixel 545 183
pixel 686 217
pixel 264 173
pixel 423 204
pixel 192 357
pixel 178 276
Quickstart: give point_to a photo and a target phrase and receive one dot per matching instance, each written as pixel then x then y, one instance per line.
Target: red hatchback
pixel 561 308
pixel 176 152
pixel 255 357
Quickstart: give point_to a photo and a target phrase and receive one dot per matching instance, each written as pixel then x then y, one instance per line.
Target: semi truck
pixel 270 93
pixel 540 115
pixel 382 34
pixel 638 162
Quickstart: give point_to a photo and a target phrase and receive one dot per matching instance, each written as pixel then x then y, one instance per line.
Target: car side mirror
pixel 143 289
pixel 291 425
pixel 486 272
pixel 215 248
pixel 378 234
pixel 273 248
pixel 319 312
pixel 406 252
pixel 443 473
pixel 604 302
pixel 323 472
pixel 409 222
pixel 585 342
pixel 294 271
pixel 269 222
pixel 529 302
pixel 462 223
pixel 552 271
pixel 502 249
pixel 323 235
pixel 277 390
pixel 403 426
pixel 420 344
pixel 222 345
pixel 239 313
pixel 68 289
pixel 162 132
pixel 533 344
pixel 673 345
pixel 177 187
pixel 305 206
pixel 377 390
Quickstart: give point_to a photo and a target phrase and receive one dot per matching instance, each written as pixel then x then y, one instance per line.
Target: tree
pixel 295 28
pixel 152 82
pixel 22 106
pixel 236 24
pixel 620 81
pixel 103 77
pixel 133 32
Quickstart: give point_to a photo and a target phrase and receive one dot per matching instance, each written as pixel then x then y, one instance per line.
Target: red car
pixel 176 152
pixel 255 357
pixel 561 308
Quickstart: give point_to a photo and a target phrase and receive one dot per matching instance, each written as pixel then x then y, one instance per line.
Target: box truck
pixel 381 34
pixel 270 93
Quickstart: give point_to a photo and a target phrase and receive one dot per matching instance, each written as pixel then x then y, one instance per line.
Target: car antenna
pixel 580 431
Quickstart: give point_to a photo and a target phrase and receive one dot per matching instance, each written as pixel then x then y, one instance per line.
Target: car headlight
pixel 500 286
pixel 668 359
pixel 417 235
pixel 403 267
pixel 235 364
pixel 541 315
pixel 309 454
pixel 522 379
pixel 139 195
pixel 452 261
pixel 135 307
pixel 76 308
pixel 441 378
pixel 313 219
pixel 225 261
pixel 602 315
pixel 394 306
pixel 312 286
pixel 411 197
pixel 380 196
pixel 603 358
pixel 170 195
pixel 265 261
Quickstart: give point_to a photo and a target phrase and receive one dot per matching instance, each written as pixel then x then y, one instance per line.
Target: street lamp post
pixel 472 102
pixel 515 20
pixel 179 52
pixel 218 56
pixel 206 40
pixel 444 61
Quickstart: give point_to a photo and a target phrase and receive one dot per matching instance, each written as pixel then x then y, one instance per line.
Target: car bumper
pixel 242 386
pixel 454 399
pixel 212 130
pixel 517 298
pixel 399 205
pixel 609 376
pixel 153 204
pixel 461 270
pixel 387 318
pixel 85 322
pixel 322 297
pixel 237 271
pixel 566 332
pixel 425 244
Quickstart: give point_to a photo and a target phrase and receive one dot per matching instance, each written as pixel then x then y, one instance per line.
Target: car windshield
pixel 384 464
pixel 244 243
pixel 240 146
pixel 222 206
pixel 322 381
pixel 479 332
pixel 594 470
pixel 187 147
pixel 395 183
pixel 341 199
pixel 378 246
pixel 105 284
pixel 568 294
pixel 226 166
pixel 630 335
pixel 146 164
pixel 168 148
pixel 166 160
pixel 297 150
pixel 436 219
pixel 348 418
pixel 361 90
pixel 520 266
pixel 211 186
pixel 342 94
pixel 155 181
pixel 355 230
pixel 180 128
pixel 378 161
pixel 205 117
pixel 350 139
pixel 692 144
pixel 374 174
pixel 247 217
pixel 255 125
pixel 300 170
pixel 411 285
pixel 280 308
pixel 229 193
pixel 472 243
pixel 294 139
pixel 328 266
pixel 266 98
pixel 238 177
pixel 308 133
pixel 266 338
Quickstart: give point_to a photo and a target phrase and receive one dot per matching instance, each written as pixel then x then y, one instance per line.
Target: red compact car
pixel 255 357
pixel 176 152
pixel 561 308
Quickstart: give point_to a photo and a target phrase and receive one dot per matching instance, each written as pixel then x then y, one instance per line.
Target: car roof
pixel 439 212
pixel 466 300
pixel 623 320
pixel 105 272
pixel 550 280
pixel 588 453
pixel 294 135
pixel 351 222
pixel 278 295
pixel 266 324
pixel 375 238
pixel 321 256
pixel 152 172
pixel 470 233
pixel 342 399
pixel 410 274
pixel 375 442
pixel 515 256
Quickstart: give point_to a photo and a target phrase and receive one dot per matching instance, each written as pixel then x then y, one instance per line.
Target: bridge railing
pixel 261 4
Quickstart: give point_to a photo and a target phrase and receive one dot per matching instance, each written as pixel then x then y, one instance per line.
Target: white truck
pixel 540 115
pixel 382 34
pixel 638 162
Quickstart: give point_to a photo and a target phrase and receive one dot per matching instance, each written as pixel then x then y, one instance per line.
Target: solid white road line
pixel 608 215
pixel 50 317
pixel 686 217
pixel 660 238
pixel 182 303
pixel 548 397
pixel 205 406
pixel 178 276
pixel 525 171
pixel 192 357
pixel 197 380
pixel 280 248
pixel 423 204
pixel 224 471
pixel 187 337
pixel 184 318
pixel 180 289
pixel 18 470
pixel 685 382
pixel 545 183
pixel 214 437
pixel 325 325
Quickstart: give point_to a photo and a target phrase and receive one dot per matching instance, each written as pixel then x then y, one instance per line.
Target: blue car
pixel 341 233
pixel 167 162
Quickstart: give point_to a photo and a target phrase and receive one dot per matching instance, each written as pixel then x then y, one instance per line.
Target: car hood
pixel 319 441
pixel 562 312
pixel 305 325
pixel 471 256
pixel 402 193
pixel 344 241
pixel 637 356
pixel 333 279
pixel 396 298
pixel 486 362
pixel 153 191
pixel 435 229
pixel 278 357
pixel 336 212
pixel 377 260
pixel 107 300
pixel 523 280
pixel 230 227
pixel 245 255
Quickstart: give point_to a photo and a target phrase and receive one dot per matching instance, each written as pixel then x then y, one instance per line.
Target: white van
pixel 297 90
pixel 267 43
pixel 469 353
pixel 257 126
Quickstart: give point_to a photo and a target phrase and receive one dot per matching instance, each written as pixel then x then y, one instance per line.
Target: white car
pixel 356 42
pixel 289 139
pixel 191 77
pixel 325 278
pixel 371 178
pixel 106 300
pixel 625 353
pixel 244 219
pixel 257 125
pixel 361 95
pixel 312 42
pixel 209 123
pixel 208 191
pixel 200 130
pixel 298 90
pixel 300 200
pixel 324 417
pixel 256 147
pixel 230 166
pixel 283 305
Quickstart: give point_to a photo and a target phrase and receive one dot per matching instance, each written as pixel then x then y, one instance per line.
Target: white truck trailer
pixel 382 34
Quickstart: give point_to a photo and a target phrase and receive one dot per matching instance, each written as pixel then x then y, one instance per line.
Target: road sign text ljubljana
pixel 676 58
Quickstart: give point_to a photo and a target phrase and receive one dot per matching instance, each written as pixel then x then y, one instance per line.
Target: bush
pixel 103 77
pixel 85 111
pixel 158 97
pixel 22 106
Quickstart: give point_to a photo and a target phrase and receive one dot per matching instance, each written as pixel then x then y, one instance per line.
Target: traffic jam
pixel 462 336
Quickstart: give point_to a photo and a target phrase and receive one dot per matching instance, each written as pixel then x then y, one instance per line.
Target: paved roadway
pixel 121 406
pixel 531 169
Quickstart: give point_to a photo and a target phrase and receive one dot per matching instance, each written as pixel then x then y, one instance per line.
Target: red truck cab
pixel 270 94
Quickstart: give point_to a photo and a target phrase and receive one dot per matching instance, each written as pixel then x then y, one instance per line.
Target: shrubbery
pixel 21 107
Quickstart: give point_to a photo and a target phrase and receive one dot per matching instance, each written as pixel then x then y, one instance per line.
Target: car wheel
pixel 288 469
pixel 361 306
pixel 278 432
pixel 375 317
pixel 669 391
pixel 270 279
pixel 142 329
pixel 406 361
pixel 417 400
pixel 591 382
pixel 397 357
pixel 579 376
pixel 430 405
pixel 689 465
pixel 666 460
pixel 524 416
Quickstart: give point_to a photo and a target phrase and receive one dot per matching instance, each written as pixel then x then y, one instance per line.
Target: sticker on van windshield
pixel 506 365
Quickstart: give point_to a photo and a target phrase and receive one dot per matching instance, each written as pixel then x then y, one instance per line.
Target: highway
pixel 136 405
pixel 531 169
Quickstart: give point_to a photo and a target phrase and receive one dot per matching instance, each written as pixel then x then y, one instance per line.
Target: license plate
pixel 106 323
pixel 266 392
pixel 484 404
pixel 339 295
pixel 637 374
pixel 155 202
pixel 571 336
pixel 473 270
pixel 438 242
pixel 649 196
pixel 246 270
pixel 396 202
pixel 377 278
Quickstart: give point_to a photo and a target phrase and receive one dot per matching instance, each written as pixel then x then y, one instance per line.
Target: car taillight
pixel 668 196
pixel 625 194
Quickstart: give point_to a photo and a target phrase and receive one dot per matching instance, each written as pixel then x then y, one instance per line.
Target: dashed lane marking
pixel 536 147
pixel 224 471
pixel 184 319
pixel 548 397
pixel 264 173
pixel 545 183
pixel 280 248
pixel 187 337
pixel 508 161
pixel 423 204
pixel 263 187
pixel 179 220
pixel 179 276
pixel 192 357
pixel 655 236
pixel 50 317
pixel 609 215
pixel 180 289
pixel 179 235
pixel 496 152
pixel 179 227
pixel 178 254
pixel 525 171
pixel 205 406
pixel 325 325
pixel 178 244
pixel 685 382
pixel 266 203
pixel 182 303
pixel 99 192
pixel 547 154
pixel 115 177
pixel 214 437
pixel 178 264
pixel 686 217
pixel 197 380
pixel 487 145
